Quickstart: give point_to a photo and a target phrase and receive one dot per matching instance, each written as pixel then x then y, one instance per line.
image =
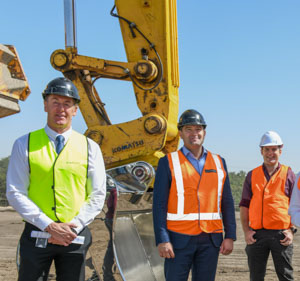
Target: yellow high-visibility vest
pixel 58 182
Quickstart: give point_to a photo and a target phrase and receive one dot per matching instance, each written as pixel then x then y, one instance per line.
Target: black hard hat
pixel 191 117
pixel 63 87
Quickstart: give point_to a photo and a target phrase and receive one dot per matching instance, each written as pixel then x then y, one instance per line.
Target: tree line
pixel 3 169
pixel 236 180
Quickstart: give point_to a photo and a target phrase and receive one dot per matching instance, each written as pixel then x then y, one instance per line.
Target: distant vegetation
pixel 3 169
pixel 236 181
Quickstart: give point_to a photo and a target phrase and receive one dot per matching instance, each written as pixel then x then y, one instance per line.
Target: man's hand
pixel 56 242
pixel 61 233
pixel 249 237
pixel 289 236
pixel 226 246
pixel 166 250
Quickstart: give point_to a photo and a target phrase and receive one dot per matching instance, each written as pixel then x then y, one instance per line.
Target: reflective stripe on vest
pixel 213 169
pixel 58 183
pixel 269 204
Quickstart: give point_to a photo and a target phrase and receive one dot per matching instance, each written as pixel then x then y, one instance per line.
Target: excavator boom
pixel 131 149
pixel 149 30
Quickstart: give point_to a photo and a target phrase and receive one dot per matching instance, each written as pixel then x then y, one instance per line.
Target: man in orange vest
pixel 264 212
pixel 192 203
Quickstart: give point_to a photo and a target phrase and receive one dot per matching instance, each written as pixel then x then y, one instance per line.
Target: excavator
pixel 123 245
pixel 13 82
pixel 126 249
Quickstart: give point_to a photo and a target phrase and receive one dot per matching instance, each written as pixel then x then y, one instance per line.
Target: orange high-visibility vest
pixel 269 204
pixel 194 204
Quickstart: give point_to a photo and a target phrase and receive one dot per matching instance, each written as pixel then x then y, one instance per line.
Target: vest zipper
pixel 53 188
pixel 262 217
pixel 198 201
pixel 262 206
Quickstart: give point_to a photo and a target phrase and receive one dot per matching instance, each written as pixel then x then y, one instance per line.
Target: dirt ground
pixel 230 268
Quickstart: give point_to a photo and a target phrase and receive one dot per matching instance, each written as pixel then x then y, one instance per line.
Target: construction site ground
pixel 230 268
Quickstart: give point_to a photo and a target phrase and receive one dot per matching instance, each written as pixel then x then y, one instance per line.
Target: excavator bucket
pixel 13 82
pixel 136 228
pixel 123 247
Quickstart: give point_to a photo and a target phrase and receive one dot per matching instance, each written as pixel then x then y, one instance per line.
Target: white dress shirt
pixel 294 209
pixel 17 183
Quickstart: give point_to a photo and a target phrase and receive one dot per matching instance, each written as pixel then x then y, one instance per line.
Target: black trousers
pixel 258 253
pixel 69 260
pixel 108 261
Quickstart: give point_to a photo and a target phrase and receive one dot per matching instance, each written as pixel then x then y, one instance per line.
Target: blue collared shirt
pixel 197 163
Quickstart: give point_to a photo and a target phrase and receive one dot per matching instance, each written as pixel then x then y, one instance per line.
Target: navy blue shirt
pixel 162 186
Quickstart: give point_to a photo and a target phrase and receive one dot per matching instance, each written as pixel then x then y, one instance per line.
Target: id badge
pixel 41 242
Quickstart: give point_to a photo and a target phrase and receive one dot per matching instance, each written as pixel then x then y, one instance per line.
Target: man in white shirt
pixel 294 209
pixel 56 181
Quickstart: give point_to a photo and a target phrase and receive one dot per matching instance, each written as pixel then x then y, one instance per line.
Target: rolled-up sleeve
pixel 247 192
pixel 290 182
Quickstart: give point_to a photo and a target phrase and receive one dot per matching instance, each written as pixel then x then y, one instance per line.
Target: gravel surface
pixel 230 268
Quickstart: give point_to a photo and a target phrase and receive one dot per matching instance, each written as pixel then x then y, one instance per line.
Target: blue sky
pixel 239 66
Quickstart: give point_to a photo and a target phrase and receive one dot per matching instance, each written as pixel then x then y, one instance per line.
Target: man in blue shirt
pixel 192 204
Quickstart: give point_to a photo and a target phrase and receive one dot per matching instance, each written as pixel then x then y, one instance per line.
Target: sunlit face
pixel 271 154
pixel 192 136
pixel 60 112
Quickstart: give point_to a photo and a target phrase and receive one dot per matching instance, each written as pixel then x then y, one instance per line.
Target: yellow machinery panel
pixel 13 82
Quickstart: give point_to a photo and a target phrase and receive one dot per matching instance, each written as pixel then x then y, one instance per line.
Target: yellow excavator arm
pixel 131 149
pixel 13 82
pixel 149 30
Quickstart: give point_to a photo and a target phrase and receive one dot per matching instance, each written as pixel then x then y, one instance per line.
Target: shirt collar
pixel 52 134
pixel 187 152
pixel 266 171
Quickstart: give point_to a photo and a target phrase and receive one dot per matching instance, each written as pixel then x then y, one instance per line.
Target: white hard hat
pixel 270 138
